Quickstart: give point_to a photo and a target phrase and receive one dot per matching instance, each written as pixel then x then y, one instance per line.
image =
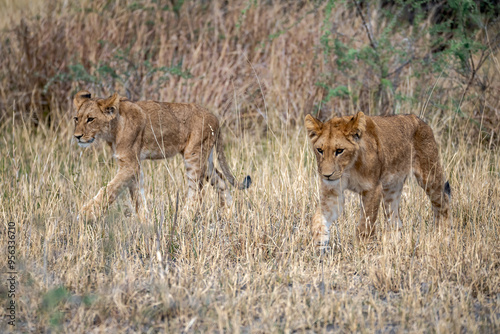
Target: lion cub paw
pixel 322 239
pixel 89 212
pixel 365 232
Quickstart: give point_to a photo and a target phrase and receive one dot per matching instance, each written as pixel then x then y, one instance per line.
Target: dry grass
pixel 252 267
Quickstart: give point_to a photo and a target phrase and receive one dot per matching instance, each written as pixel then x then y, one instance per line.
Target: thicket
pixel 251 60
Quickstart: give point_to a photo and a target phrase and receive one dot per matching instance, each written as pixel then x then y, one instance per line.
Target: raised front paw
pixel 90 211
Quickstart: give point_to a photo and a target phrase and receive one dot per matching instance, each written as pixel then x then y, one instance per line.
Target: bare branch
pixel 368 29
pixel 396 71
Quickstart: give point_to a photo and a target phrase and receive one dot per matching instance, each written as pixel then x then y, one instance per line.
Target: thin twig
pixel 368 29
pixel 473 75
pixel 401 67
pixel 314 10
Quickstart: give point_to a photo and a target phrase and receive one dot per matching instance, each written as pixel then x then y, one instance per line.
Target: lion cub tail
pixel 225 168
pixel 447 188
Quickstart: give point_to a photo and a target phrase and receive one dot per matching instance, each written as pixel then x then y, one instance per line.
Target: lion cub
pixel 151 130
pixel 373 156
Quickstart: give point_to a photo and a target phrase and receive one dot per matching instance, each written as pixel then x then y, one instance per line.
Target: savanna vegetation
pixel 260 66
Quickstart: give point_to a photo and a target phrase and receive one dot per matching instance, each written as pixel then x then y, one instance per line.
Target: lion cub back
pixel 398 137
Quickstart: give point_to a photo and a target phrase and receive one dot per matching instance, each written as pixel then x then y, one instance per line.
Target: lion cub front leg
pixel 370 203
pixel 90 210
pixel 329 210
pixel 195 160
pixel 96 206
pixel 108 194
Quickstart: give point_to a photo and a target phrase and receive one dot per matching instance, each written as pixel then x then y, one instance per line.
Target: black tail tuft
pixel 247 182
pixel 447 188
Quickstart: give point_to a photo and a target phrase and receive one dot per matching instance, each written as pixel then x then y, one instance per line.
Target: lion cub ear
pixel 313 127
pixel 109 106
pixel 357 125
pixel 80 98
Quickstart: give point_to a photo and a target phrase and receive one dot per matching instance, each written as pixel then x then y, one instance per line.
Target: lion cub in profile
pixel 373 156
pixel 151 130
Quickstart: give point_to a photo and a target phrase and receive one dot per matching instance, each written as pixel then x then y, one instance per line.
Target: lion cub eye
pixel 90 119
pixel 339 151
pixel 320 151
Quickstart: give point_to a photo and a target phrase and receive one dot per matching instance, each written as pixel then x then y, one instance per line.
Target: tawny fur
pixel 151 130
pixel 373 156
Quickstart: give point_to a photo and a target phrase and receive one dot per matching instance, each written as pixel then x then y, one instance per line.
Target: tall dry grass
pixel 249 268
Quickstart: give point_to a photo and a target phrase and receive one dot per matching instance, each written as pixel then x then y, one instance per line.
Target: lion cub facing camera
pixel 151 130
pixel 373 156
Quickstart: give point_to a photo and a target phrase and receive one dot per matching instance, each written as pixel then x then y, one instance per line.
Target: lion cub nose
pixel 78 137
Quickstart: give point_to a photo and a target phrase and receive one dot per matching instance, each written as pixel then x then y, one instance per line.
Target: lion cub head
pixel 335 143
pixel 93 117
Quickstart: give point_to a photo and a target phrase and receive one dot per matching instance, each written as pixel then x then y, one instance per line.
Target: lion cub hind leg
pixel 370 203
pixel 392 198
pixel 438 192
pixel 216 179
pixel 195 163
pixel 429 174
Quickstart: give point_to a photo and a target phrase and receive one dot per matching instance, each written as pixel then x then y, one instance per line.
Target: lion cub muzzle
pixel 334 176
pixel 82 142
